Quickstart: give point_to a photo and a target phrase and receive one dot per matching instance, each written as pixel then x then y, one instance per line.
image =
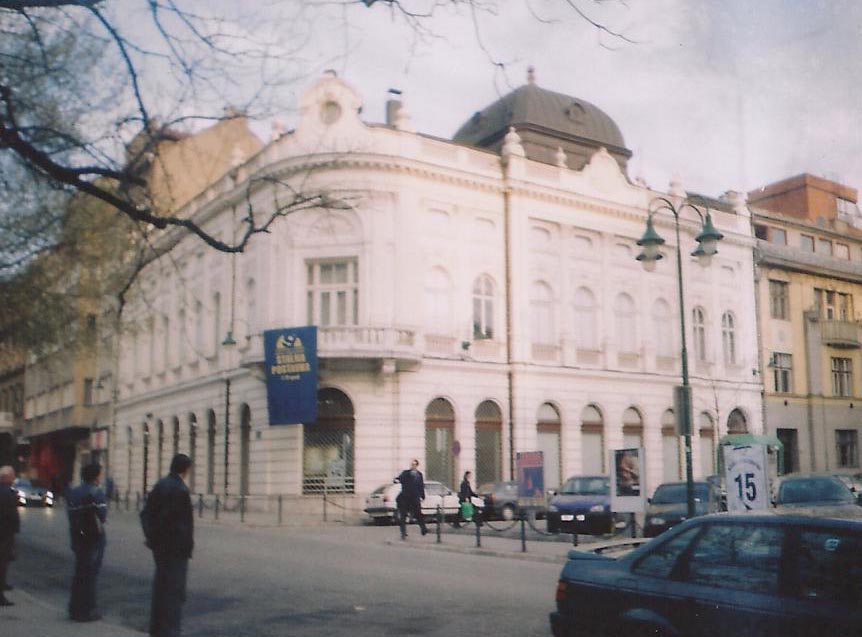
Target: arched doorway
pixel 211 435
pixel 489 443
pixel 244 447
pixel 548 439
pixel 592 440
pixel 633 429
pixel 327 458
pixel 439 435
pixel 193 449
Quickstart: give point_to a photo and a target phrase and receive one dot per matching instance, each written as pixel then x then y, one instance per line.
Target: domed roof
pixel 546 121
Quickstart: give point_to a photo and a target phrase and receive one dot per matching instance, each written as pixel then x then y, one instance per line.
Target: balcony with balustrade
pixel 841 334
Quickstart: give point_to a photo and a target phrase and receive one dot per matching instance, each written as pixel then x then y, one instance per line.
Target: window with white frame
pixel 332 292
pixel 778 299
pixel 842 376
pixel 542 313
pixel 483 307
pixel 833 305
pixel 847 447
pixel 438 306
pixel 626 324
pixel 728 338
pixel 586 337
pixel 782 372
pixel 662 329
pixel 698 317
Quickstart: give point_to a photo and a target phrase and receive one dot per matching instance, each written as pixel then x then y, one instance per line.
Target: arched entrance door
pixel 489 443
pixel 439 436
pixel 548 437
pixel 327 458
pixel 592 440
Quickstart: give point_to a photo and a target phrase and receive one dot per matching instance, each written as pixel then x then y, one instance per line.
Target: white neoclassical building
pixel 474 298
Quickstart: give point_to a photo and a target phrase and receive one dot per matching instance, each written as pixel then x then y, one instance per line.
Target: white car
pixel 381 506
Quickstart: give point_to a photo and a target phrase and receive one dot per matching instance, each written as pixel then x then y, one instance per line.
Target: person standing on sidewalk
pixel 10 524
pixel 409 501
pixel 168 523
pixel 88 512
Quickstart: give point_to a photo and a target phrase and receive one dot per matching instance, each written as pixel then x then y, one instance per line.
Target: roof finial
pixel 531 75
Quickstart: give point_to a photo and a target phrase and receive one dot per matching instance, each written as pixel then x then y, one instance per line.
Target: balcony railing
pixel 841 334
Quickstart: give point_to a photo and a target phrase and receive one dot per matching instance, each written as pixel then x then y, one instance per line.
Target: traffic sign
pixel 747 477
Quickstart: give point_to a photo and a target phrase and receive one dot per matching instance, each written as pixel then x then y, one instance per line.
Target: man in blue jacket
pixel 168 523
pixel 88 513
pixel 409 501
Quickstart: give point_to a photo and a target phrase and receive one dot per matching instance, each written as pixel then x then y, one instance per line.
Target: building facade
pixel 809 283
pixel 474 299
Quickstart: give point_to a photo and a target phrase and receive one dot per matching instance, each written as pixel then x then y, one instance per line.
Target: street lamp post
pixel 228 343
pixel 706 248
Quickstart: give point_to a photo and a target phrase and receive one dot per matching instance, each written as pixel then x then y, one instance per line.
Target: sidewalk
pixel 31 617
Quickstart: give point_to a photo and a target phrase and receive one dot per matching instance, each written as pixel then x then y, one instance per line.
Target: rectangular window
pixel 806 243
pixel 778 299
pixel 845 307
pixel 782 369
pixel 333 293
pixel 842 251
pixel 778 236
pixel 842 377
pixel 825 300
pixel 761 231
pixel 824 246
pixel 847 444
pixel 88 391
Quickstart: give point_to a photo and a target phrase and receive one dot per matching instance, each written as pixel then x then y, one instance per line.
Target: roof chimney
pixel 393 105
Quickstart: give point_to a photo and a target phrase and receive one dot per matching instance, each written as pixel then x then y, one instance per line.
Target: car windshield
pixel 813 490
pixel 586 486
pixel 26 482
pixel 676 493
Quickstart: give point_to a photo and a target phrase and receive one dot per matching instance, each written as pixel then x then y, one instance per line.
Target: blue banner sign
pixel 530 466
pixel 291 375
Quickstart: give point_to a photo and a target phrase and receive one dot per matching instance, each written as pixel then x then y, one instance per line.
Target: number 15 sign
pixel 747 477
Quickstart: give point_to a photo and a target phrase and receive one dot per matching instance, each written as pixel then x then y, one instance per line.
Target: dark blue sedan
pixel 752 575
pixel 582 505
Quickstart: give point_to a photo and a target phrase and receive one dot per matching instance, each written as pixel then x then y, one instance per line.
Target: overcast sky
pixel 725 95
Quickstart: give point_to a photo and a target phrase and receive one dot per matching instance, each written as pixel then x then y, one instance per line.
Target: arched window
pixel 542 312
pixel 438 306
pixel 193 449
pixel 633 429
pixel 728 339
pixel 736 422
pixel 439 435
pixel 662 329
pixel 586 333
pixel 670 447
pixel 483 307
pixel 489 443
pixel 327 459
pixel 624 313
pixel 592 440
pixel 548 437
pixel 698 317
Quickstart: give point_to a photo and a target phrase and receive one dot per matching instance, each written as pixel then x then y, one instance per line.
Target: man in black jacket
pixel 10 524
pixel 168 523
pixel 409 501
pixel 87 511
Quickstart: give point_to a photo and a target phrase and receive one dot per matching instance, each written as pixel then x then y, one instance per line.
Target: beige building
pixel 809 284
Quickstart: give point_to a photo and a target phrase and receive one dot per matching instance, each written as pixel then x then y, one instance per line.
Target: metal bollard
pixel 279 509
pixel 216 507
pixel 478 532
pixel 523 532
pixel 242 508
pixel 439 522
pixel 574 539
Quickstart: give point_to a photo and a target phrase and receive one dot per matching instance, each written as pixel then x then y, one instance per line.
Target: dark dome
pixel 546 120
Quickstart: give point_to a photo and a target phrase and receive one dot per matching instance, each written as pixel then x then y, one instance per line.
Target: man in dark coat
pixel 168 524
pixel 10 524
pixel 88 512
pixel 409 501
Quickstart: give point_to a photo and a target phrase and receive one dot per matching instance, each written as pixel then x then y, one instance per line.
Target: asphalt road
pixel 308 581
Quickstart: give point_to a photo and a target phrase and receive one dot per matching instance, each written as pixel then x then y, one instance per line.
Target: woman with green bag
pixel 465 495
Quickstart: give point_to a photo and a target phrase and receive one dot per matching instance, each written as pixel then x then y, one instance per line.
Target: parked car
pixel 381 505
pixel 751 574
pixel 500 500
pixel 33 493
pixel 582 505
pixel 668 505
pixel 817 495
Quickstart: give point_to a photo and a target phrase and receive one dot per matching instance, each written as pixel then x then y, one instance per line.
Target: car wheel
pixel 508 513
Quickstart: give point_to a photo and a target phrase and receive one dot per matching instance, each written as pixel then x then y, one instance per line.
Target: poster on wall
pixel 746 477
pixel 628 486
pixel 290 356
pixel 530 466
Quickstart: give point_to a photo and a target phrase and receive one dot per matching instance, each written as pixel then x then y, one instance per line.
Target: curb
pixel 467 550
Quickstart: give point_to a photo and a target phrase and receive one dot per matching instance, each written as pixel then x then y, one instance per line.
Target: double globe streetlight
pixel 651 243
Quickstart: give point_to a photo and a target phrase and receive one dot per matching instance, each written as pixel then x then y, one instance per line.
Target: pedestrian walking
pixel 465 496
pixel 87 511
pixel 10 524
pixel 168 525
pixel 409 501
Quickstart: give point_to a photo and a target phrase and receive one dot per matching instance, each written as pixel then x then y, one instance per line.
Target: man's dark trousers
pixel 169 593
pixel 410 506
pixel 88 561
